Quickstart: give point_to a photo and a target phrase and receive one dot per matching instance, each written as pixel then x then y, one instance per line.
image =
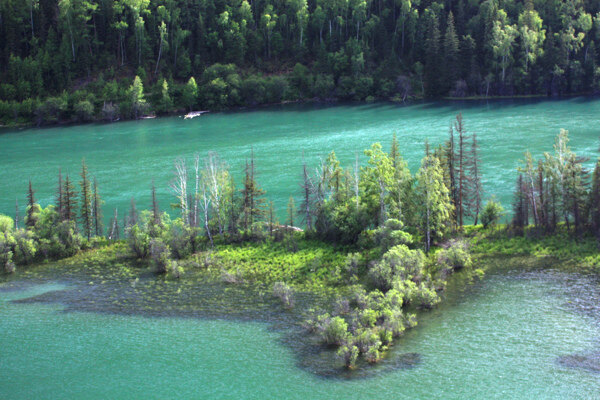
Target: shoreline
pixel 325 102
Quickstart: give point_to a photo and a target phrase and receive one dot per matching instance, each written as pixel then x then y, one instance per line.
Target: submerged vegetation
pixel 379 243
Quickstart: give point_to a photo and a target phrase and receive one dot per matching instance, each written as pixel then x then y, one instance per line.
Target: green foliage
pixel 397 265
pixel 492 212
pixel 254 54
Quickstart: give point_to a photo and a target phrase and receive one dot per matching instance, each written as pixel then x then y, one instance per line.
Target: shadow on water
pixel 200 294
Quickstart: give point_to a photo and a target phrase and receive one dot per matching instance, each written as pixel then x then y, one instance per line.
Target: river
pixel 125 157
pixel 510 335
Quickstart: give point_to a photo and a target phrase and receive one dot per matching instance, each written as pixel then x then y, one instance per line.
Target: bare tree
pixel 217 177
pixel 179 187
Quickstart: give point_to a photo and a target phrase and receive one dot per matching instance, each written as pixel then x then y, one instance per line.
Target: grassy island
pixel 377 247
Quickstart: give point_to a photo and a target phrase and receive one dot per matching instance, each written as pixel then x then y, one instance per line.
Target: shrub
pixel 160 255
pixel 456 256
pixel 348 353
pixel 139 241
pixel 334 331
pixel 285 293
pixel 391 234
pixel 399 263
pixel 492 212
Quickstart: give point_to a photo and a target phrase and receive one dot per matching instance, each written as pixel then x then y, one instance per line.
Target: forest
pixel 384 239
pixel 81 60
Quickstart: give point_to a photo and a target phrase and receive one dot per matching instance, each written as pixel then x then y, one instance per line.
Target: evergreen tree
pixel 520 217
pixel 433 59
pixel 291 209
pixel 595 199
pixel 97 210
pixel 474 205
pixel 433 199
pixel 69 201
pixel 86 211
pixel 254 203
pixel 59 196
pixel 16 214
pixel 30 219
pixel 451 61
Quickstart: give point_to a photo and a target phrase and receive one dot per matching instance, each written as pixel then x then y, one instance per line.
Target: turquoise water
pixel 125 157
pixel 500 338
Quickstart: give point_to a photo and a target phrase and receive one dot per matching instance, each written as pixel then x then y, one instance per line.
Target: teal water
pixel 125 157
pixel 503 337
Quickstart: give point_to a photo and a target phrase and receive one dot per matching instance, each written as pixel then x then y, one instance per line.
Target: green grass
pixel 314 264
pixel 574 253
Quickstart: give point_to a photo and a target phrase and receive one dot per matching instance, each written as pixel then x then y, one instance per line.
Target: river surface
pixel 512 335
pixel 125 157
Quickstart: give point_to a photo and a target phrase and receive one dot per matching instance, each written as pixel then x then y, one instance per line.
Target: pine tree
pixel 433 199
pixel 16 214
pixel 132 218
pixel 306 194
pixel 595 200
pixel 155 209
pixel 271 218
pixel 432 58
pixel 69 201
pixel 30 217
pixel 86 210
pixel 474 181
pixel 520 217
pixel 97 210
pixel 291 209
pixel 462 163
pixel 451 48
pixel 59 196
pixel 254 203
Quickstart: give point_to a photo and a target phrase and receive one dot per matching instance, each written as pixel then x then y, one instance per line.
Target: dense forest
pixel 80 60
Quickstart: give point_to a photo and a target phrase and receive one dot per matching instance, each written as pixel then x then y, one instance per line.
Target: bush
pixel 334 331
pixel 84 111
pixel 348 353
pixel 492 212
pixel 399 263
pixel 392 234
pixel 456 256
pixel 139 241
pixel 160 255
pixel 284 293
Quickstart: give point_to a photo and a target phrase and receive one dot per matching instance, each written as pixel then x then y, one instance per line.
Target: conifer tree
pixel 306 197
pixel 30 220
pixel 432 56
pixel 520 218
pixel 291 209
pixel 433 199
pixel 254 203
pixel 451 48
pixel 69 201
pixel 155 208
pixel 59 196
pixel 16 214
pixel 474 181
pixel 86 211
pixel 132 218
pixel 462 163
pixel 97 210
pixel 595 199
